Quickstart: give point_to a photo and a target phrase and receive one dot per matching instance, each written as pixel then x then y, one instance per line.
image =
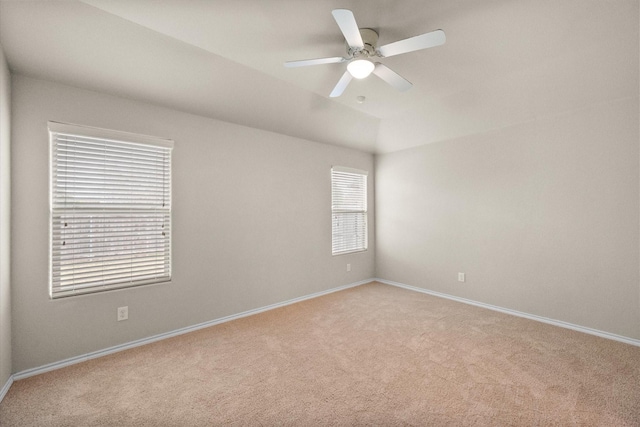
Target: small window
pixel 348 210
pixel 110 210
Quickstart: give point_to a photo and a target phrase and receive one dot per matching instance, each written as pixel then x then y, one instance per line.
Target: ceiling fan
pixel 362 46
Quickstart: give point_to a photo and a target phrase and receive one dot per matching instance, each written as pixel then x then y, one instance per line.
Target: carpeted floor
pixel 371 355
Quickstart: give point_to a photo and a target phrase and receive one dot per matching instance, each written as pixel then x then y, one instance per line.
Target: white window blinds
pixel 110 210
pixel 348 210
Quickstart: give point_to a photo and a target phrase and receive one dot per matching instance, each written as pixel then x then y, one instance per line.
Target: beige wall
pixel 251 224
pixel 5 226
pixel 542 217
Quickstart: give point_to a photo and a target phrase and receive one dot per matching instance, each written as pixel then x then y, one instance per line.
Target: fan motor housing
pixel 370 40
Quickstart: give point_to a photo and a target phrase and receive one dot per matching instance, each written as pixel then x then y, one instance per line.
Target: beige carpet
pixel 371 355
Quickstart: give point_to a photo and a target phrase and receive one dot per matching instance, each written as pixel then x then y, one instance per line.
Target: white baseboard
pixel 554 322
pixel 6 387
pixel 93 355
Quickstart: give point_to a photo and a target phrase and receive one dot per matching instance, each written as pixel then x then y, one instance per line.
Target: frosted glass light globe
pixel 360 68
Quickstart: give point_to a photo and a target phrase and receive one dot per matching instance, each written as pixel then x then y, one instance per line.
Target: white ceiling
pixel 504 62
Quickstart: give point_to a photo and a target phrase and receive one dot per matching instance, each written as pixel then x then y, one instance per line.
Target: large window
pixel 348 210
pixel 110 210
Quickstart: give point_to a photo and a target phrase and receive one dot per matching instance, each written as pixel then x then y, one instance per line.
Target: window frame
pixel 135 211
pixel 364 175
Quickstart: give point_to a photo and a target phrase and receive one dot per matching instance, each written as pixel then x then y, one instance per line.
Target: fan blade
pixel 306 62
pixel 342 85
pixel 347 23
pixel 423 41
pixel 391 77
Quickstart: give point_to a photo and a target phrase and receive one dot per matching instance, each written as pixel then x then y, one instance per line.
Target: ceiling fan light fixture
pixel 360 68
pixel 362 46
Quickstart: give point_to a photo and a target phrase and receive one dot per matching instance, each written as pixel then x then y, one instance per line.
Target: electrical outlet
pixel 123 313
pixel 348 267
pixel 460 277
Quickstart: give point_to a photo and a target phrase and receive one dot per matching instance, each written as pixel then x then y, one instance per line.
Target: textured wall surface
pixel 251 224
pixel 542 217
pixel 5 225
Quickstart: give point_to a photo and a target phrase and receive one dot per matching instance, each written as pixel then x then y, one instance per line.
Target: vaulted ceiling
pixel 504 62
